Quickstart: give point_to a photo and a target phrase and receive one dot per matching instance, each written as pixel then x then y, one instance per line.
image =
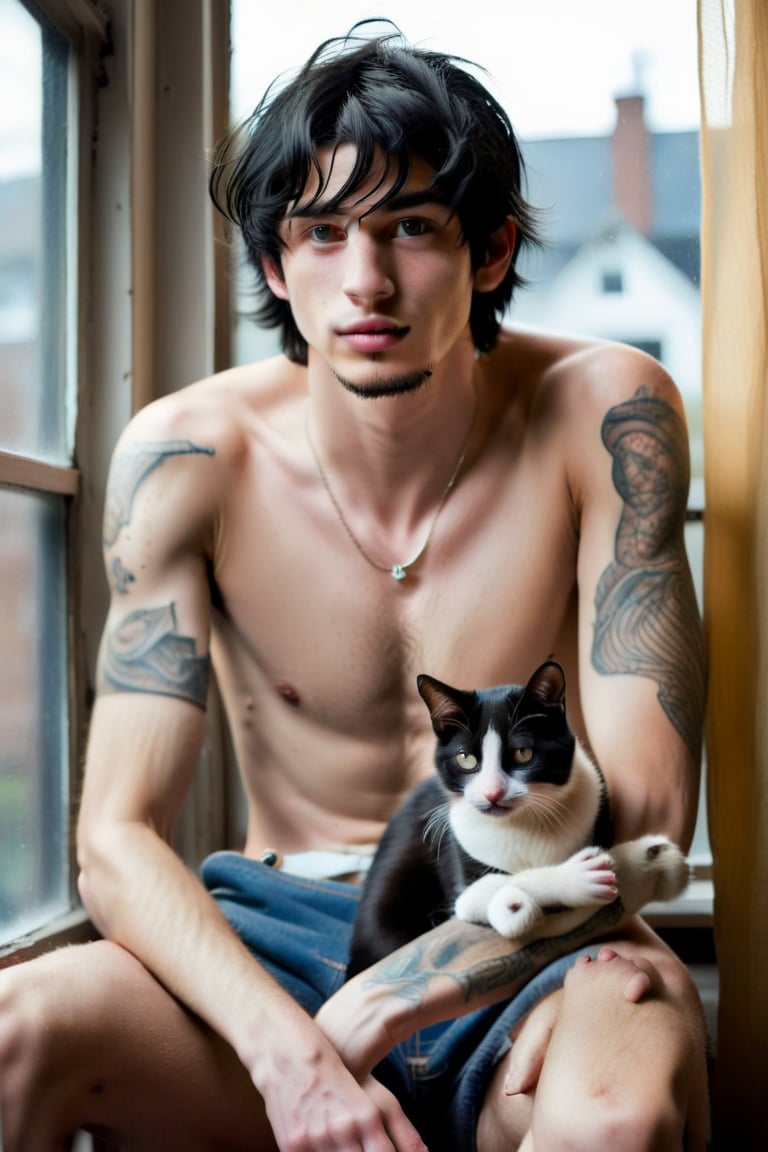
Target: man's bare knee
pixel 89 1039
pixel 22 1055
pixel 612 1125
pixel 48 1066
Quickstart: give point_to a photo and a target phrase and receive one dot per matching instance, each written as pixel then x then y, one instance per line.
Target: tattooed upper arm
pixel 153 547
pixel 646 618
pixel 145 652
pixel 129 470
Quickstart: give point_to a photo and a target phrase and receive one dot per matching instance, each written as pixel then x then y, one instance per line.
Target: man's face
pixel 381 294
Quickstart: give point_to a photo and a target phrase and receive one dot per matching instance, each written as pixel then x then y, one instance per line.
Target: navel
pixel 289 693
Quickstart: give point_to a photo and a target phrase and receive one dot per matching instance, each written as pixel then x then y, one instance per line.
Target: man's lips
pixel 373 335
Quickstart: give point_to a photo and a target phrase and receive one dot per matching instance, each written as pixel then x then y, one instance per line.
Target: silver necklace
pixel 396 571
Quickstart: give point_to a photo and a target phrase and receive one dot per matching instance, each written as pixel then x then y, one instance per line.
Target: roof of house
pixel 570 181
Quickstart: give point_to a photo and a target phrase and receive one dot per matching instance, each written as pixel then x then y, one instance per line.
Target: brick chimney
pixel 632 192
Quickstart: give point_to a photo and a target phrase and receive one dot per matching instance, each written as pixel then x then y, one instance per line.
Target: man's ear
pixel 274 278
pixel 501 248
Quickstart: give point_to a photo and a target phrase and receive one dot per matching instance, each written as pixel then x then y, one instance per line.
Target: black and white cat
pixel 512 832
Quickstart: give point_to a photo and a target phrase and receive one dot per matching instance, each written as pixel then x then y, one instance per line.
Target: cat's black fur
pixel 514 831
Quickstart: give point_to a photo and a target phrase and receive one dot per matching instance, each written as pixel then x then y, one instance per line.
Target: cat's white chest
pixel 502 843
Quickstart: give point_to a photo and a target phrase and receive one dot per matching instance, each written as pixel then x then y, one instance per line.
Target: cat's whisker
pixel 550 811
pixel 436 826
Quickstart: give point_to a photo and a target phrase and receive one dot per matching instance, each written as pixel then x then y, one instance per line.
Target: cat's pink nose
pixel 493 795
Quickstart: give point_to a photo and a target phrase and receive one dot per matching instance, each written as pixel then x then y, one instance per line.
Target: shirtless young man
pixel 532 489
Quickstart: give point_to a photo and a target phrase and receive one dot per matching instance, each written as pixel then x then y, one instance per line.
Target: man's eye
pixel 411 227
pixel 323 233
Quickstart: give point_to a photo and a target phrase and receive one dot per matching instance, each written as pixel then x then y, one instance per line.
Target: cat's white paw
pixel 470 909
pixel 587 877
pixel 512 911
pixel 649 868
pixel 472 904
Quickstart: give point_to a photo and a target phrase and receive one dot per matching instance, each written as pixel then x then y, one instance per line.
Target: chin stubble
pixel 392 386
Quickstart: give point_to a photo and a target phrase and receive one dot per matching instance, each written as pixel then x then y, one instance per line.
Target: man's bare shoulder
pixel 222 408
pixel 581 371
pixel 191 448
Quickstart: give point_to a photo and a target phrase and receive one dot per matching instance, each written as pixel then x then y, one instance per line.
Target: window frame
pixel 83 25
pixel 612 281
pixel 127 73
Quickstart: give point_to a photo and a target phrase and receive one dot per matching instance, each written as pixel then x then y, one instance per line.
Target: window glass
pixel 34 332
pixel 34 881
pixel 37 361
pixel 613 281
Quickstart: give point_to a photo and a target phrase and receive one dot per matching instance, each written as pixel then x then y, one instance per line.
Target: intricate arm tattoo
pixel 129 471
pixel 144 653
pixel 121 577
pixel 647 622
pixel 459 951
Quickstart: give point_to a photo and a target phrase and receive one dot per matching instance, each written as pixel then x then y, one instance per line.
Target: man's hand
pixel 530 1046
pixel 634 979
pixel 314 1104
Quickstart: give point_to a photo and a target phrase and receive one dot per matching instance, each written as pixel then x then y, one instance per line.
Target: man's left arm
pixel 641 663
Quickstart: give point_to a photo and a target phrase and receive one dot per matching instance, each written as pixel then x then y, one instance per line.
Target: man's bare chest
pixel 306 615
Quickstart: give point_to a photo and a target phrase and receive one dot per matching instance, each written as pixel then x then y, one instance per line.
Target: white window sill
pixel 691 910
pixel 72 928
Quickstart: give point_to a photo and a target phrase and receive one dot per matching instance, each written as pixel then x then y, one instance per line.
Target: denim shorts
pixel 299 930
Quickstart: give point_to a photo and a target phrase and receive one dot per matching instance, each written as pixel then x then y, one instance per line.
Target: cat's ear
pixel 444 703
pixel 547 685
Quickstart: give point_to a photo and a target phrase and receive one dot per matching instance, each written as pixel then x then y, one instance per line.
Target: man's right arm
pixel 449 971
pixel 145 739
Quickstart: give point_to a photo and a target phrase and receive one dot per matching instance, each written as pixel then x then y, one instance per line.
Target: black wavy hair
pixel 381 95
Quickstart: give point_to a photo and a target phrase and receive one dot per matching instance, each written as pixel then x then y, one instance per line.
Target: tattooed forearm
pixel 460 952
pixel 144 653
pixel 647 622
pixel 128 473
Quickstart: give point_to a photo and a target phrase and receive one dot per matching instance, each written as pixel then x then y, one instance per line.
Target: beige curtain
pixel 734 60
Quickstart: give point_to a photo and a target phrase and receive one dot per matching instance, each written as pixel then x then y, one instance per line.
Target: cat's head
pixel 494 744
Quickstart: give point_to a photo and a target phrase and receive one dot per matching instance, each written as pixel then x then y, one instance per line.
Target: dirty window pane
pixel 35 335
pixel 34 820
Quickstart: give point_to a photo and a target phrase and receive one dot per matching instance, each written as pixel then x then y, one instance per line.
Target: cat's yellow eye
pixel 523 755
pixel 466 760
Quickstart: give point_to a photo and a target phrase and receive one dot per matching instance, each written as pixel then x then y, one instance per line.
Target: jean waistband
pixel 319 865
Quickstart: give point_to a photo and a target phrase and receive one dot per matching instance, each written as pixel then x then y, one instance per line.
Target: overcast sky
pixel 19 90
pixel 555 64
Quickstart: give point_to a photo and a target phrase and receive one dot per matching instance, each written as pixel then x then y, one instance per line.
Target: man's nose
pixel 367 277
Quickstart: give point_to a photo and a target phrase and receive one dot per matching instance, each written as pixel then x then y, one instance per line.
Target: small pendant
pixel 398 572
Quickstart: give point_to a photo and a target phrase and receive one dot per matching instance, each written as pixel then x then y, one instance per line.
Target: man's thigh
pixel 89 1039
